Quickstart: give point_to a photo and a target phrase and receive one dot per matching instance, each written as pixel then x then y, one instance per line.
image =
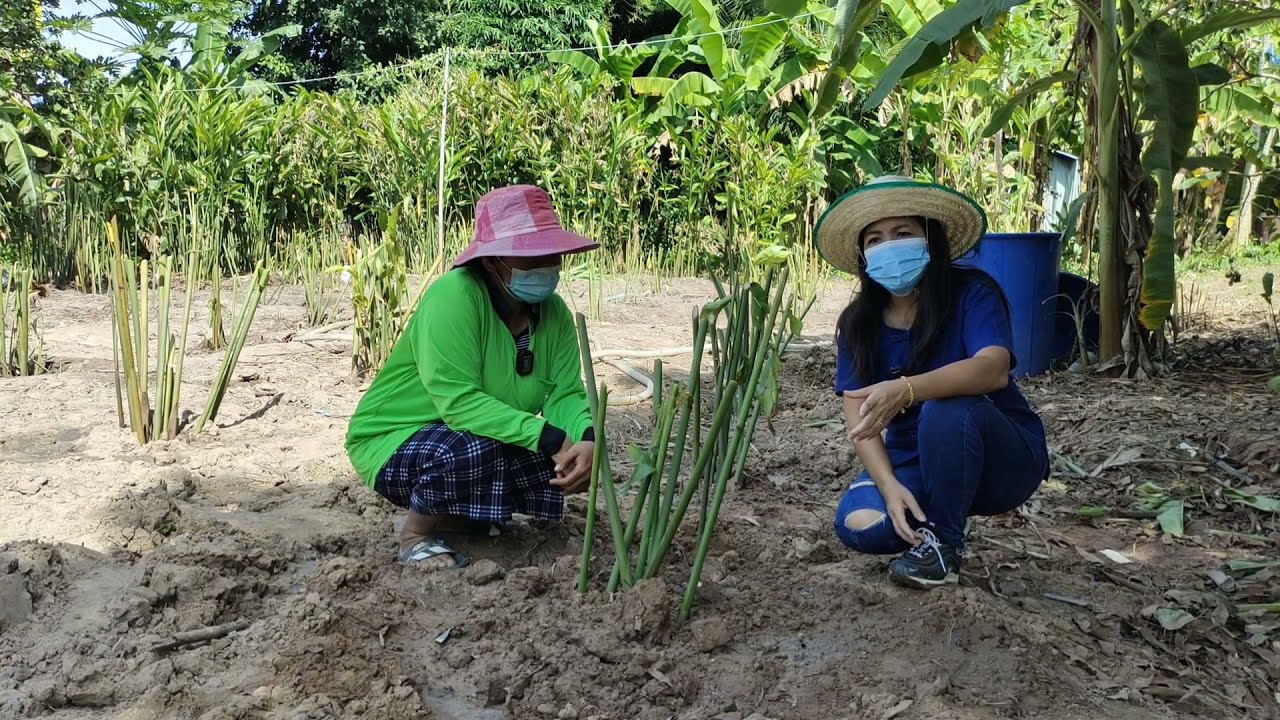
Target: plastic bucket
pixel 1025 265
pixel 1074 293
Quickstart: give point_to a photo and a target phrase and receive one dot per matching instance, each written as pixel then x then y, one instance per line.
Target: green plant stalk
pixel 722 482
pixel 223 381
pixel 692 411
pixel 686 497
pixel 115 362
pixel 6 366
pixel 647 488
pixel 589 532
pixel 23 298
pixel 144 325
pixel 637 510
pixel 164 344
pixel 620 549
pixel 657 389
pixel 217 336
pixel 175 396
pixel 676 397
pixel 123 335
pixel 1111 255
pixel 1259 608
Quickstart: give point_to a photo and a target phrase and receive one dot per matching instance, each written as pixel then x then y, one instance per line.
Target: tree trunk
pixel 1111 260
pixel 1249 192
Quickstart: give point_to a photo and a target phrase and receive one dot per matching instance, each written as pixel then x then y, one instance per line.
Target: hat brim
pixel 839 230
pixel 542 243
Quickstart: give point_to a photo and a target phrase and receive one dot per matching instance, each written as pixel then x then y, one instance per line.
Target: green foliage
pixel 1170 94
pixel 926 48
pixel 354 36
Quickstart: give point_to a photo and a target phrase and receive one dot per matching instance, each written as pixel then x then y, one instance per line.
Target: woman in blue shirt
pixel 924 354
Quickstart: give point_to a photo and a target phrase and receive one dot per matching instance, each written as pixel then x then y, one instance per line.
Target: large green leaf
pixel 704 20
pixel 786 8
pixel 1229 20
pixel 762 40
pixel 934 38
pixel 1170 95
pixel 1211 74
pixel 654 86
pixel 911 15
pixel 1002 115
pixel 19 164
pixel 1171 101
pixel 1243 101
pixel 576 60
pixel 852 16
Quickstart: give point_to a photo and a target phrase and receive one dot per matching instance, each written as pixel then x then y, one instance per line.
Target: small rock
pixel 710 634
pixel 547 709
pixel 646 610
pixel 457 658
pixel 15 601
pixel 483 572
pixel 91 697
pixel 526 582
pixel 569 712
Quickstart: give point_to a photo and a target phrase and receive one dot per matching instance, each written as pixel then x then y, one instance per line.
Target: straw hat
pixel 841 226
pixel 519 221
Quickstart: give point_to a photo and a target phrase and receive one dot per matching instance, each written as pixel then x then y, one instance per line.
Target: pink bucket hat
pixel 519 221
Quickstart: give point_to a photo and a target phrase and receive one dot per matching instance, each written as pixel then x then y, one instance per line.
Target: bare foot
pixel 420 530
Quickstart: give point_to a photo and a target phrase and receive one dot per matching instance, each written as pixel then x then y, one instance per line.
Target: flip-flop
pixel 427 549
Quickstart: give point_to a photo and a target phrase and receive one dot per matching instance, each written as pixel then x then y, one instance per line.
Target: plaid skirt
pixel 440 471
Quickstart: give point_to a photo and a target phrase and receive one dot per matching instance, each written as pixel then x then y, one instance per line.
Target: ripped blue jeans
pixel 964 457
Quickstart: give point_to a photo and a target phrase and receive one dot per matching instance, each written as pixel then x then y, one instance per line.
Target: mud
pixel 108 550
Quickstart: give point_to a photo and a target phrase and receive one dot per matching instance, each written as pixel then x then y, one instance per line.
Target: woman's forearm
pixel 875 458
pixel 986 372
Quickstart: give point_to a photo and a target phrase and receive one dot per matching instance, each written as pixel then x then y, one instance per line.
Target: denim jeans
pixel 965 457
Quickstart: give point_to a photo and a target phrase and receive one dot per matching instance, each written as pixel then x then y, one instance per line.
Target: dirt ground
pixel 108 549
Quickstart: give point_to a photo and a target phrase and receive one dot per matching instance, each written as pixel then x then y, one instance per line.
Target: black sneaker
pixel 927 565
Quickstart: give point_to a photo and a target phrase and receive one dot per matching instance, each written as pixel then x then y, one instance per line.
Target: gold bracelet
pixel 911 389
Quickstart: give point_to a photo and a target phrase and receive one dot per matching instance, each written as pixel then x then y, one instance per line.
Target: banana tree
pixel 1144 105
pixel 772 53
pixel 22 179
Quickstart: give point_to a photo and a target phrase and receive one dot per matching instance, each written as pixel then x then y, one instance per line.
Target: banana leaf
pixel 934 38
pixel 1170 96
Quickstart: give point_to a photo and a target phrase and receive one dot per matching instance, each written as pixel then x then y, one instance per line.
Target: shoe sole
pixel 923 584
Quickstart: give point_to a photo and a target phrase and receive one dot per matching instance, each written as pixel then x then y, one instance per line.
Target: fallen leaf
pixel 896 710
pixel 1093 511
pixel 660 676
pixel 1115 557
pixel 1171 517
pixel 1171 618
pixel 443 637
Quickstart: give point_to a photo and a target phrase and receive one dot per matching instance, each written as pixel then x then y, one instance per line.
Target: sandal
pixel 427 549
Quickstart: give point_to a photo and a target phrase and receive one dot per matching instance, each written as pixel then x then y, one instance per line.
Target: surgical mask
pixel 898 265
pixel 533 286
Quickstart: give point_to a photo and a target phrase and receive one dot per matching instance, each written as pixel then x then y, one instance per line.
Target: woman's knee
pixel 948 415
pixel 867 530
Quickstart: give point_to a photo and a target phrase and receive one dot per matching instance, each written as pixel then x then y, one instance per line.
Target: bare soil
pixel 108 549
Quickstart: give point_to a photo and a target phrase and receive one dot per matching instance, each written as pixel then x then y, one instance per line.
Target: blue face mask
pixel 533 286
pixel 898 265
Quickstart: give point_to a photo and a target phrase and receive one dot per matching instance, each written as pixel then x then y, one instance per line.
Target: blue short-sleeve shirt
pixel 981 321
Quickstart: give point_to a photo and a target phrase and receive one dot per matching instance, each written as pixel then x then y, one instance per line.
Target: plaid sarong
pixel 440 471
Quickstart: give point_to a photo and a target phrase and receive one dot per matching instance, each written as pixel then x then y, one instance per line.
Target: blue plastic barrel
pixel 1025 265
pixel 1074 294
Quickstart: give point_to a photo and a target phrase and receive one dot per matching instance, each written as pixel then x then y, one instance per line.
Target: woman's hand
pixel 573 466
pixel 880 402
pixel 900 501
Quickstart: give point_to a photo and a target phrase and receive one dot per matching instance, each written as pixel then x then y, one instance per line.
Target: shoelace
pixel 930 543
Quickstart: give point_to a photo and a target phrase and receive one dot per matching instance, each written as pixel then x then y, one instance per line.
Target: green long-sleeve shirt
pixel 456 363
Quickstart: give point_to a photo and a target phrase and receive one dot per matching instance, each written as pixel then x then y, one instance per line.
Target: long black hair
pixel 858 329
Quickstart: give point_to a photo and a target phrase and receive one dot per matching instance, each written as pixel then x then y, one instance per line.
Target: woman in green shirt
pixel 480 410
